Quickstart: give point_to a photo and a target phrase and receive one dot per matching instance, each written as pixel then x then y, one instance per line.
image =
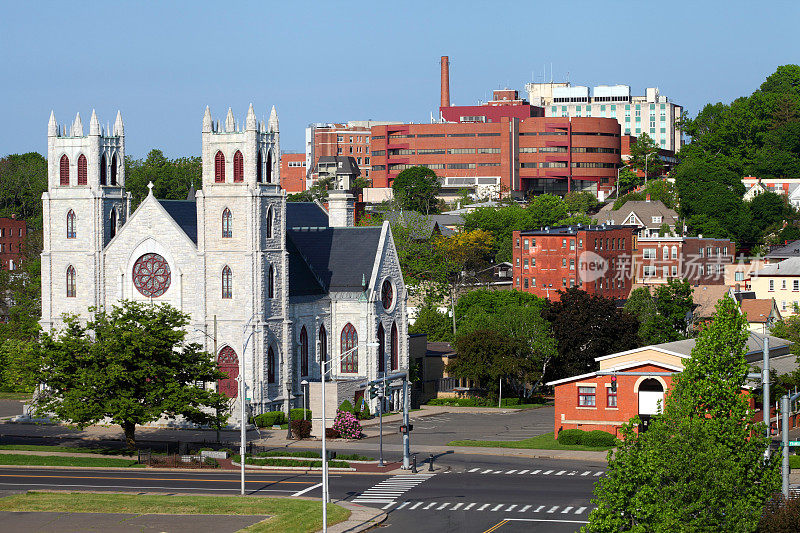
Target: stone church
pixel 274 285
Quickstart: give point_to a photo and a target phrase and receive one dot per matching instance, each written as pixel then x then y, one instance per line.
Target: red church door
pixel 229 363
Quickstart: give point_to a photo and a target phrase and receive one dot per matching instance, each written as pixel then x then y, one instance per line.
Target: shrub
pixel 331 433
pixel 272 418
pixel 780 515
pixel 347 425
pixel 301 429
pixel 210 461
pixel 598 438
pixel 347 407
pixel 365 413
pixel 297 414
pixel 571 436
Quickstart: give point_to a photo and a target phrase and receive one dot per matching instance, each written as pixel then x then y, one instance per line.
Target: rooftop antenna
pixel 551 72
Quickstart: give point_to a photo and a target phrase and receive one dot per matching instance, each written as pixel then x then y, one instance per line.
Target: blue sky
pixel 161 63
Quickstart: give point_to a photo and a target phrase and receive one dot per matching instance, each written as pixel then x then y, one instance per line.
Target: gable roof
pixel 705 298
pixel 305 215
pixel 642 209
pixel 787 267
pixel 184 213
pixel 758 311
pixel 790 250
pixel 302 280
pixel 340 258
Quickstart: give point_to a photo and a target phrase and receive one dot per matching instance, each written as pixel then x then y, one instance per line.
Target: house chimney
pixel 341 209
pixel 445 97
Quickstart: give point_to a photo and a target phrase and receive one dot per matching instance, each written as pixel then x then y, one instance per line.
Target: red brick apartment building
pixel 697 259
pixel 506 143
pixel 293 172
pixel 12 235
pixel 593 258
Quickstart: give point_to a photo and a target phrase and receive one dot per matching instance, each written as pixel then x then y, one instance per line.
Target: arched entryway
pixel 651 397
pixel 228 363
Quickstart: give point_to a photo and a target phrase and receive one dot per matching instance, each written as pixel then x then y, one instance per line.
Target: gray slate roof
pixel 305 215
pixel 643 209
pixel 340 258
pixel 755 346
pixel 787 267
pixel 790 250
pixel 184 213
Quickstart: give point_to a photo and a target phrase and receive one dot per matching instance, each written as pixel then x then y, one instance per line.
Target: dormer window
pixel 657 220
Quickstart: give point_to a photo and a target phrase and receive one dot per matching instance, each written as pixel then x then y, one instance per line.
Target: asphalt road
pixel 438 430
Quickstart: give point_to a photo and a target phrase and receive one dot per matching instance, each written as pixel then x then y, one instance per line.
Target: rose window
pixel 387 294
pixel 151 275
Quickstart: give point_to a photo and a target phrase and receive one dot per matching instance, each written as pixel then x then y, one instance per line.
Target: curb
pixel 361 518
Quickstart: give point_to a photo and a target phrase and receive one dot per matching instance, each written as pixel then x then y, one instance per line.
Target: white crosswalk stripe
pixel 515 508
pixel 585 473
pixel 389 490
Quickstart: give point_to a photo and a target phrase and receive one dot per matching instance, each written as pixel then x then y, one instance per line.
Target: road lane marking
pixel 522 510
pixel 552 509
pixel 572 473
pixel 546 473
pixel 430 505
pixel 539 508
pixel 307 489
pixel 600 473
pixel 389 505
pixel 511 508
pixel 456 506
pixel 498 506
pixel 469 506
pixel 486 471
pixel 496 526
pixel 560 472
pixel 498 472
pixel 566 510
pixel 403 505
pixel 545 520
pixel 586 473
pixel 580 510
pixel 536 471
pixel 523 471
pixel 510 471
pixel 442 506
pixel 473 470
pixel 482 507
pixel 416 505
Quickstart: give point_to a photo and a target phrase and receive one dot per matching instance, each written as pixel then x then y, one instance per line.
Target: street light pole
pixel 243 397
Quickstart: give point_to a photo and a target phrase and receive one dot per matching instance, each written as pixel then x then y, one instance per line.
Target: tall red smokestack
pixel 445 100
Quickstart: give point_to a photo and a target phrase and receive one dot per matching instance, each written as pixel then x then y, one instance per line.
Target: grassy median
pixel 539 442
pixel 15 395
pixel 60 460
pixel 286 515
pixel 68 449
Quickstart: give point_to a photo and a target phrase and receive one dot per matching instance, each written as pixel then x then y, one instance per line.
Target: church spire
pixel 77 127
pixel 119 128
pixel 272 126
pixel 230 123
pixel 94 124
pixel 208 124
pixel 250 122
pixel 52 127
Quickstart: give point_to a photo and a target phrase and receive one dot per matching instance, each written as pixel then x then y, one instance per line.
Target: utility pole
pixel 765 389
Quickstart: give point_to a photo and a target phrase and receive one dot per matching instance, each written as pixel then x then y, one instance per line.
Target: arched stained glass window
pixel 387 294
pixel 219 168
pixel 381 349
pixel 71 224
pixel 238 167
pixel 349 342
pixel 395 348
pixel 103 171
pixel 227 224
pixel 271 374
pixel 303 352
pixel 82 172
pixel 70 282
pixel 113 170
pixel 63 171
pixel 228 363
pixel 227 283
pixel 323 343
pixel 269 166
pixel 259 169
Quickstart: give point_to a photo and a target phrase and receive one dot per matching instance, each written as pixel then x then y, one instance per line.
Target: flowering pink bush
pixel 347 425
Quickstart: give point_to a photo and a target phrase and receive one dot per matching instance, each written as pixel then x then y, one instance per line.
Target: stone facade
pixel 228 255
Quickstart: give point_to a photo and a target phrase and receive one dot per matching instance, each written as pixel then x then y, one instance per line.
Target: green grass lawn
pixel 51 460
pixel 794 461
pixel 307 463
pixel 313 455
pixel 287 515
pixel 15 395
pixel 540 442
pixel 69 449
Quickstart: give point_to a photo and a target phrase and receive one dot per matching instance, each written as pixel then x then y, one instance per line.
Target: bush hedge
pixel 365 414
pixel 347 407
pixel 301 429
pixel 780 515
pixel 595 439
pixel 297 414
pixel 331 433
pixel 272 418
pixel 474 402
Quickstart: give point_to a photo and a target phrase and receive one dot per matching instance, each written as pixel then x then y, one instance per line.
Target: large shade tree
pixel 131 364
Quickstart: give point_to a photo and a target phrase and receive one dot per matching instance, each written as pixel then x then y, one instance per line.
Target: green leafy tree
pixel 644 156
pixel 302 196
pixel 700 466
pixel 628 179
pixel 172 178
pixel 662 317
pixel 586 327
pixel 416 188
pixel 581 203
pixel 131 365
pixel 769 210
pixel 432 322
pixel 23 179
pixel 487 356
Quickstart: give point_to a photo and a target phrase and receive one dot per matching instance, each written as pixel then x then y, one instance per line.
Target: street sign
pixel 794 443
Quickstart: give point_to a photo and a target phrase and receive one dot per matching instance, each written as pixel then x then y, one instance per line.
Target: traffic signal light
pixel 614 384
pixel 373 392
